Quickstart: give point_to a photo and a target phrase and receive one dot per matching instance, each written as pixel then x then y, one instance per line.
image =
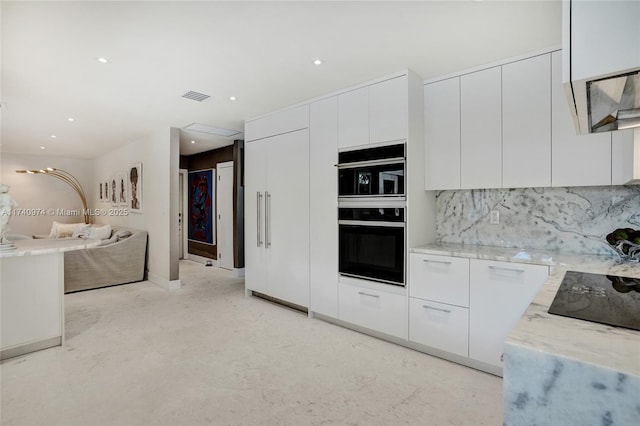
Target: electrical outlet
pixel 494 217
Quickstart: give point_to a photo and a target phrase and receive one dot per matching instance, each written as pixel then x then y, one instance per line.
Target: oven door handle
pixel 371 223
pixel 383 162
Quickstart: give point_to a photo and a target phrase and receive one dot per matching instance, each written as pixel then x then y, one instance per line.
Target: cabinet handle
pixel 259 228
pixel 502 357
pixel 267 220
pixel 369 294
pixel 444 262
pixel 447 311
pixel 499 268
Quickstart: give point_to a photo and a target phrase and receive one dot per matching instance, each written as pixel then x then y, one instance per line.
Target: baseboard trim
pixel 203 260
pixel 164 283
pixel 30 347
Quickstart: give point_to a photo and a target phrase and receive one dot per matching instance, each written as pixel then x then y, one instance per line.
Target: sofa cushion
pixel 64 230
pixel 99 232
pixel 122 233
pixel 111 240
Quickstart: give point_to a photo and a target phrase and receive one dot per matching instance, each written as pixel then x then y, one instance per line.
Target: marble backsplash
pixel 574 220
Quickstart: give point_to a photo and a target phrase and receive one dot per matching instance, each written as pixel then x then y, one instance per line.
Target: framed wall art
pixel 134 187
pixel 122 189
pixel 113 191
pixel 201 219
pixel 105 188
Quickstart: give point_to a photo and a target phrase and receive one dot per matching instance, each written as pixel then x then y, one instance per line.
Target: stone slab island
pixel 565 371
pixel 32 294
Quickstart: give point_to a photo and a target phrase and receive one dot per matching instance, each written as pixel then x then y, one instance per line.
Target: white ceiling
pixel 260 52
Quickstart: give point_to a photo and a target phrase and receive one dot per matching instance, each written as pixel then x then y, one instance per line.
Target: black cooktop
pixel 607 299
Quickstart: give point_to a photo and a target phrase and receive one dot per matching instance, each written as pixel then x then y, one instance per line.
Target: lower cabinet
pixel 499 294
pixel 440 326
pixel 373 309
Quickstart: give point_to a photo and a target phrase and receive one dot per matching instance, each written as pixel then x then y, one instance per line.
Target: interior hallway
pixel 205 354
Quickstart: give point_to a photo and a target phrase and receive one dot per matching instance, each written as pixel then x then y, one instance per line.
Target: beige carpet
pixel 206 354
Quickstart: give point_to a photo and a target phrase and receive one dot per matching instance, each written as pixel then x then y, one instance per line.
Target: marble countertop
pixel 507 254
pixel 46 246
pixel 608 347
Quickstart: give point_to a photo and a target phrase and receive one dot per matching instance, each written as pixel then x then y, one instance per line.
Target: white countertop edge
pixel 48 246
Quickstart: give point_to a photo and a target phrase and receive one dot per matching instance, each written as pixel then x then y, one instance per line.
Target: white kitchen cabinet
pixel 388 110
pixel 481 129
pixel 277 216
pixel 526 123
pixel 439 325
pixel 442 279
pixel 442 134
pixel 376 310
pixel 323 190
pixel 500 292
pixel 285 121
pixel 577 160
pixel 373 114
pixel 625 153
pixel 353 118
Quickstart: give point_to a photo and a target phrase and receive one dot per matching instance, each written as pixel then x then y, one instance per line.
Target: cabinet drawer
pixel 440 326
pixel 439 278
pixel 373 309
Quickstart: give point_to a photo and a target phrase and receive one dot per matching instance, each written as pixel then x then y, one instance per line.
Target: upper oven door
pixel 372 172
pixel 378 178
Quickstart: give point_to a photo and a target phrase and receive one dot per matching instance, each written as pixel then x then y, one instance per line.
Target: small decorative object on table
pixel 7 204
pixel 626 242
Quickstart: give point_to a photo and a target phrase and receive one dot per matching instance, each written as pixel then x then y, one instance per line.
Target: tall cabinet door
pixel 526 123
pixel 481 129
pixel 287 217
pixel 323 217
pixel 255 158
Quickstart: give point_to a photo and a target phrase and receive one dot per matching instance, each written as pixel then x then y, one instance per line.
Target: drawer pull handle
pixel 444 262
pixel 499 268
pixel 447 311
pixel 369 294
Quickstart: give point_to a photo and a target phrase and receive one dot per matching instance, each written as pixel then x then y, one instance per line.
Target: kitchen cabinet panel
pixel 439 278
pixel 275 124
pixel 373 309
pixel 439 326
pixel 526 123
pixel 500 292
pixel 625 152
pixel 277 250
pixel 388 110
pixel 481 129
pixel 353 118
pixel 323 184
pixel 577 160
pixel 442 134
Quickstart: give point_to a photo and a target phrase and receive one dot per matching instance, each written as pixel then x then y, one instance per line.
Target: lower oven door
pixel 372 251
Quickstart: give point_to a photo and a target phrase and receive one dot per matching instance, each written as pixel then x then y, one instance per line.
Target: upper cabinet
pixel 509 126
pixel 373 114
pixel 441 119
pixel 285 121
pixel 480 129
pixel 526 123
pixel 577 160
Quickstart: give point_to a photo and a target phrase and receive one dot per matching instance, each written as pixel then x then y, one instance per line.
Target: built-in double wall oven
pixel 371 214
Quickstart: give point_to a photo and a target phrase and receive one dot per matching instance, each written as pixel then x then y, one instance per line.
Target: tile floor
pixel 206 354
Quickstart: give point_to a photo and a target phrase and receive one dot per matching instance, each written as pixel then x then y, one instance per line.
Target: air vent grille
pixel 196 96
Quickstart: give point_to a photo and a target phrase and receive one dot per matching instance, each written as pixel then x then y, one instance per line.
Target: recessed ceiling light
pixel 232 98
pixel 103 60
pixel 317 62
pixel 193 141
pixel 43 147
pixel 71 119
pixel 53 136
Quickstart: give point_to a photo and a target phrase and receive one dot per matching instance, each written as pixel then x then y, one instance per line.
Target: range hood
pixel 601 63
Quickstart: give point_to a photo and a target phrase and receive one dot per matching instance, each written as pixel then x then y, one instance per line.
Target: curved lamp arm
pixel 67 178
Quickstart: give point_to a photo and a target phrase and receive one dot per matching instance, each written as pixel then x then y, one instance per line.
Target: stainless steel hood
pixel 601 63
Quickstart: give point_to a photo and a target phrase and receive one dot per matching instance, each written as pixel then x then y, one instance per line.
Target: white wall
pixel 38 192
pixel 155 154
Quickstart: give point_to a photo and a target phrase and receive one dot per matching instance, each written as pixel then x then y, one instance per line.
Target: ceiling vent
pixel 204 128
pixel 196 96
